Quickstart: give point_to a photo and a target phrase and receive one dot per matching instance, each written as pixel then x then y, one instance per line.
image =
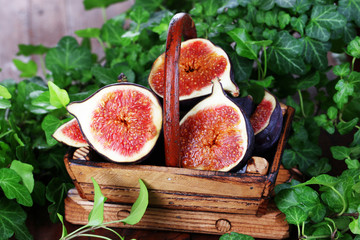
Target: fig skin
pixel 219 98
pixel 85 110
pixel 61 137
pixel 246 104
pixel 190 99
pixel 268 137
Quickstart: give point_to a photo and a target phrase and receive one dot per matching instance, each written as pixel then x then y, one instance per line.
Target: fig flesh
pixel 70 134
pixel 200 63
pixel 215 134
pixel 267 121
pixel 122 121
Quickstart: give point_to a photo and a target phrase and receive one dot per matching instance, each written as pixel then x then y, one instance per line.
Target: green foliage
pixel 235 236
pixel 277 44
pixel 96 216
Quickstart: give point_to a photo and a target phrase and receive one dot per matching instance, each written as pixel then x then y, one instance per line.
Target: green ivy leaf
pixel 139 15
pixel 295 215
pixel 285 199
pixel 68 55
pixel 150 5
pixel 283 54
pixel 332 112
pixel 243 47
pixel 352 163
pixel 317 212
pixel 324 179
pixel 58 97
pixel 322 121
pixel 342 70
pixel 344 90
pixel 309 81
pixel 49 125
pixel 12 220
pixel 56 192
pixel 315 52
pixel 284 19
pixel 235 236
pixel 285 3
pixel 90 4
pixel 299 23
pixel 25 171
pixel 88 33
pixel 289 159
pixel 96 216
pixel 242 67
pixel 266 83
pixel 353 47
pixel 211 7
pixel 332 199
pixel 340 152
pixel 355 226
pixel 139 207
pixel 40 102
pixel 4 92
pixel 323 19
pixel 321 166
pixel 64 231
pixel 28 69
pixel 346 127
pixel 110 75
pixel 302 6
pixel 112 30
pixel 9 182
pixel 267 5
pixel 350 9
pixel 28 50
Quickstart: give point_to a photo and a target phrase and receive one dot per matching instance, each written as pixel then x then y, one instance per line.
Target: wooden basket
pixel 174 190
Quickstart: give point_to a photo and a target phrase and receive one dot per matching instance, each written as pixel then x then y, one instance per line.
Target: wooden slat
pixel 272 225
pixel 180 180
pixel 14 29
pixel 175 200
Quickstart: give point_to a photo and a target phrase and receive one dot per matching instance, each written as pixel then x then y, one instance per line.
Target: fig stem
pixel 181 25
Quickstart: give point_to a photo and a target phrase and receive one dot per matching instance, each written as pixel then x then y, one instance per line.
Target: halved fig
pixel 70 134
pixel 215 134
pixel 267 122
pixel 121 121
pixel 200 63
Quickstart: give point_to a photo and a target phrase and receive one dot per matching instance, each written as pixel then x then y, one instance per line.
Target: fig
pixel 215 134
pixel 121 121
pixel 70 134
pixel 267 121
pixel 246 104
pixel 200 63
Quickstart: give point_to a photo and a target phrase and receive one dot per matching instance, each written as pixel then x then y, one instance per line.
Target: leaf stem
pixel 18 140
pixel 112 230
pixel 94 235
pixel 353 64
pixel 103 12
pixel 299 231
pixel 342 200
pixel 301 103
pixel 265 64
pixel 101 43
pixel 77 231
pixel 6 133
pixel 42 65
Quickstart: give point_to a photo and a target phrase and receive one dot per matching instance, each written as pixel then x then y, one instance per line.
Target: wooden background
pixel 44 22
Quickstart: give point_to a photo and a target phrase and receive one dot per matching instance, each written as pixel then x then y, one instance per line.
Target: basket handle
pixel 181 25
